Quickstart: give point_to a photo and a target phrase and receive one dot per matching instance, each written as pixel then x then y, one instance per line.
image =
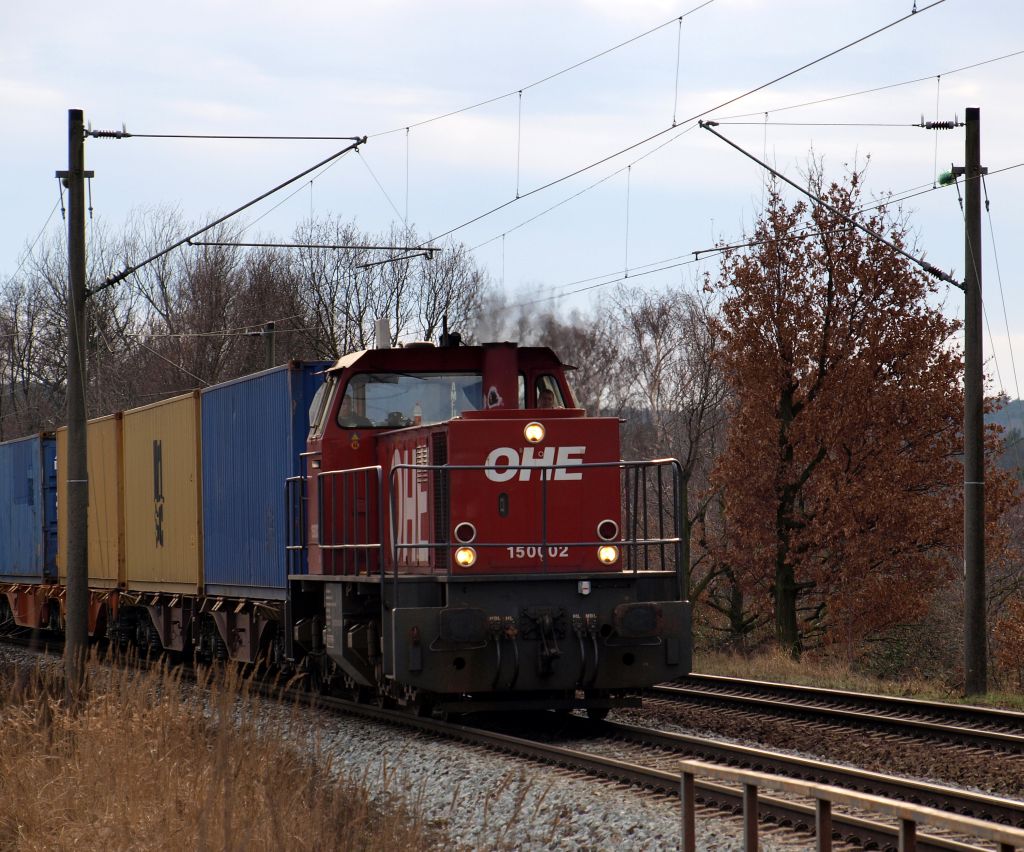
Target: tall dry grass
pixel 152 763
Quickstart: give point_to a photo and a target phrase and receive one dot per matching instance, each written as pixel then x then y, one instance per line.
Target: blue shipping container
pixel 28 510
pixel 253 431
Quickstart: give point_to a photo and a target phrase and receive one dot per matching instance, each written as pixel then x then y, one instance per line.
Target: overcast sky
pixel 351 69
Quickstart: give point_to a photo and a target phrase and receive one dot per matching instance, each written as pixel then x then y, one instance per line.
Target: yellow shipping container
pixel 162 496
pixel 106 504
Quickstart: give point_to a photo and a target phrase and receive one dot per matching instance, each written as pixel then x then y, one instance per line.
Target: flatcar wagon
pixel 424 526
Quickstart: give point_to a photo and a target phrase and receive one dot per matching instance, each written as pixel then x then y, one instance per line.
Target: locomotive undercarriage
pixel 529 641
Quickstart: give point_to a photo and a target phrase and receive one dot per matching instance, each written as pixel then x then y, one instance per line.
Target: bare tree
pixel 676 397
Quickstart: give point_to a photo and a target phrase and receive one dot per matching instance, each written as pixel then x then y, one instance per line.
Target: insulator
pixel 940 125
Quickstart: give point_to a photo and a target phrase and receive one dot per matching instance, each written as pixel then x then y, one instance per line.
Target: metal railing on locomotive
pixel 651 503
pixel 354 545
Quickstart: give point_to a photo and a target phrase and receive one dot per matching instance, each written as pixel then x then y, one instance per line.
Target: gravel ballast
pixel 484 800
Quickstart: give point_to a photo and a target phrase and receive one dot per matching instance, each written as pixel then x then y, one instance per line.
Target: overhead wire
pixel 875 89
pixel 1002 294
pixel 174 364
pixel 935 163
pixel 767 123
pixel 585 189
pixel 362 159
pixel 519 91
pixel 292 194
pixel 694 117
pixel 546 79
pixel 702 254
pixel 31 248
pixel 134 268
pixel 553 207
pixel 124 134
pixel 223 331
pixel 918 261
pixel 679 47
pixel 984 304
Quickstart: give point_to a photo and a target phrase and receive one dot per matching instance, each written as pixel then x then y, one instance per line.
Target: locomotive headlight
pixel 465 557
pixel 534 432
pixel 608 554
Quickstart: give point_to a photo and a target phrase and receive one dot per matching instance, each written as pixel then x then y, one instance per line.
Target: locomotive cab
pixel 474 540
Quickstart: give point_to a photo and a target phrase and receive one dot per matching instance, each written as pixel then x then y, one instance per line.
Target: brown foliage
pixel 1008 634
pixel 841 475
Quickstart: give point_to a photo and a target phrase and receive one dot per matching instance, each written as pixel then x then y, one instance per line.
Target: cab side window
pixel 547 393
pixel 320 405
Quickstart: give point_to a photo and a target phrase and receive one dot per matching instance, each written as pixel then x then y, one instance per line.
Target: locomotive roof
pixel 428 357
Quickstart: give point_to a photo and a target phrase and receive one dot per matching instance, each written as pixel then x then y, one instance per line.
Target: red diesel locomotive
pixel 469 539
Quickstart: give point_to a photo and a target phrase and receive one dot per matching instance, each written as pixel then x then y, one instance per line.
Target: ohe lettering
pixel 558 458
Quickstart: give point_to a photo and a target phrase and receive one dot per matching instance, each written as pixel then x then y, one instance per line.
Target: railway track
pixel 966 725
pixel 674 746
pixel 649 759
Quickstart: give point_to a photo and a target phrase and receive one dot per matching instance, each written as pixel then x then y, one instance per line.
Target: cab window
pixel 547 392
pixel 320 405
pixel 396 400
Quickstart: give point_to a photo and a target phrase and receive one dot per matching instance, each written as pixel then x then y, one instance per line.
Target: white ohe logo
pixel 530 457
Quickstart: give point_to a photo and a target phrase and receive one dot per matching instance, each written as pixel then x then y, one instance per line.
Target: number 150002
pixel 553 552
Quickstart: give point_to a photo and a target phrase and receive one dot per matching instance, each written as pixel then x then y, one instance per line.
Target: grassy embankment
pixel 838 674
pixel 151 763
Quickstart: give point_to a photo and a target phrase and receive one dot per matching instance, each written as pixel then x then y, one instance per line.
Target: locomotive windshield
pixel 395 400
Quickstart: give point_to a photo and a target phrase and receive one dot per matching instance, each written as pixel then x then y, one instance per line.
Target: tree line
pixel 810 389
pixel 189 318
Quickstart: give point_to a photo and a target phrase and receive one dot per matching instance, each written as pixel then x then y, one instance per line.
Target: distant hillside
pixel 1010 416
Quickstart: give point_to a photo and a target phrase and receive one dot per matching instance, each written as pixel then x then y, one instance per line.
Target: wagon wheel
pixel 420 702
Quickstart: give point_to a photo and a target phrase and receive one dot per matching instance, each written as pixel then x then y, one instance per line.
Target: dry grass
pixel 152 764
pixel 832 673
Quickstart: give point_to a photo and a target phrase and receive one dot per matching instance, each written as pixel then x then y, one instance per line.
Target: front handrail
pixel 632 514
pixel 643 486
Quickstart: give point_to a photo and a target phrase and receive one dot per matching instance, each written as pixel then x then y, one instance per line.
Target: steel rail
pixel 921 728
pixel 990 716
pixel 966 802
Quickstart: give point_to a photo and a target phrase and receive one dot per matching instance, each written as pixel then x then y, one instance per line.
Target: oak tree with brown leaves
pixel 841 477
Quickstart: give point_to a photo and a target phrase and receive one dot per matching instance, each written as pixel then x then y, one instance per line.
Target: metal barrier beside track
pixel 909 816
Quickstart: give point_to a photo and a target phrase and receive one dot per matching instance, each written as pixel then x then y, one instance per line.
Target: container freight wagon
pixel 105 557
pixel 162 497
pixel 28 531
pixel 253 437
pixel 104 437
pixel 204 477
